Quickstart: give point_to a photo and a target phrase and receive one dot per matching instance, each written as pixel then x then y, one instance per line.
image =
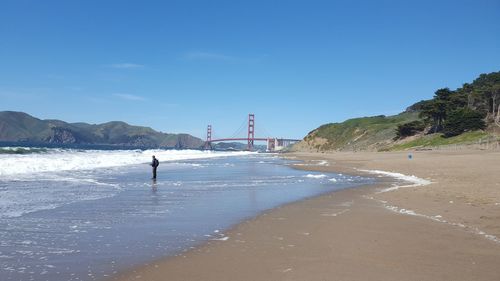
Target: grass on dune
pixel 438 140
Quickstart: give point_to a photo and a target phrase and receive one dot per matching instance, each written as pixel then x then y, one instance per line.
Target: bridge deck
pixel 247 139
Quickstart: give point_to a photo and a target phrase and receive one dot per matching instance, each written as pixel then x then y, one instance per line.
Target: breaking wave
pixel 55 160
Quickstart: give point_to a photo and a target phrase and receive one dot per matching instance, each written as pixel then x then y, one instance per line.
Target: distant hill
pixel 466 115
pixel 22 127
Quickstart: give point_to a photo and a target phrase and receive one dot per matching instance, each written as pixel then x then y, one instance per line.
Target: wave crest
pixel 55 160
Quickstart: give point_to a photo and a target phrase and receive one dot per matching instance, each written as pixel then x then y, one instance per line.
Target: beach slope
pixel 445 230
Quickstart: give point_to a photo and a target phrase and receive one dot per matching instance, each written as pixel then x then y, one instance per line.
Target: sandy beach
pixel 446 230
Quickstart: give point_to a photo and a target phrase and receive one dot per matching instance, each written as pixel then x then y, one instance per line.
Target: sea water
pixel 69 214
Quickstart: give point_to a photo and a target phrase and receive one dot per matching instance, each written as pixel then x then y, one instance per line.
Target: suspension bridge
pixel 272 143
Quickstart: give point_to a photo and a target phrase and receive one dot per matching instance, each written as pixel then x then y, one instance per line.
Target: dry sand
pixel 360 234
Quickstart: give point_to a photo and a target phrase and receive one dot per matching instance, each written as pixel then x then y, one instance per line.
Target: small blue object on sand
pixel 410 156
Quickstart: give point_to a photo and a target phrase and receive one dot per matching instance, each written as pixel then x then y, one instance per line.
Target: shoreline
pixel 354 228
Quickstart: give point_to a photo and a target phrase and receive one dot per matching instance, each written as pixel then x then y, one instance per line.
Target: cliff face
pixel 186 141
pixel 19 126
pixel 62 135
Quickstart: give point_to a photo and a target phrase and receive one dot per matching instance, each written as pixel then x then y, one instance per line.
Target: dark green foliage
pixel 462 120
pixel 443 94
pixel 482 95
pixel 434 113
pixel 409 129
pixel 416 107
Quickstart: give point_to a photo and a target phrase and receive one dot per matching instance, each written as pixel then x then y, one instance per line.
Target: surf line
pixel 415 182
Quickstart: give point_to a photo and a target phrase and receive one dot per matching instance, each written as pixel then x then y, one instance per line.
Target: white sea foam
pixel 313 163
pixel 336 214
pixel 15 148
pixel 439 218
pixel 69 159
pixel 225 238
pixel 413 180
pixel 315 176
pixel 32 196
pixel 32 177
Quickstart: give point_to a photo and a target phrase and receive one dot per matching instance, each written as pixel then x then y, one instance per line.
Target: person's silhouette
pixel 155 164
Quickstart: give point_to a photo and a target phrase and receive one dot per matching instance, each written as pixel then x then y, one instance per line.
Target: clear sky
pixel 177 66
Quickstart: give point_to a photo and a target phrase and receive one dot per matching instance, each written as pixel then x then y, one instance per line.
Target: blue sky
pixel 177 66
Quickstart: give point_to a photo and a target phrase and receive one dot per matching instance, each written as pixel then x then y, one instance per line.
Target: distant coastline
pixel 20 128
pixel 27 144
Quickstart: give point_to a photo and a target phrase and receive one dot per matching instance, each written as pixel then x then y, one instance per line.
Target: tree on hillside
pixel 487 87
pixel 467 90
pixel 443 94
pixel 495 103
pixel 434 111
pixel 482 97
pixel 409 129
pixel 462 120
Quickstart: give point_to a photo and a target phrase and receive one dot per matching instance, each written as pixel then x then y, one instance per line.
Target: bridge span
pixel 272 143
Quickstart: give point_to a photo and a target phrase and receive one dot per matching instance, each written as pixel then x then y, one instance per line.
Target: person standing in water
pixel 154 164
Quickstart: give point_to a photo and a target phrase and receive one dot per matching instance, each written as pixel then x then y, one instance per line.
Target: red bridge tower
pixel 251 131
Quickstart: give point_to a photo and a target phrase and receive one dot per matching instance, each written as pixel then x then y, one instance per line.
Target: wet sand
pixel 443 231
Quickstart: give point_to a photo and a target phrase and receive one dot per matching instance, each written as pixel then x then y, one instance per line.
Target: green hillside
pixel 366 133
pixel 466 115
pixel 435 140
pixel 21 127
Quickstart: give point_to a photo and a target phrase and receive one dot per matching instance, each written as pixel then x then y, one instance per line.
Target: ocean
pixel 76 214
